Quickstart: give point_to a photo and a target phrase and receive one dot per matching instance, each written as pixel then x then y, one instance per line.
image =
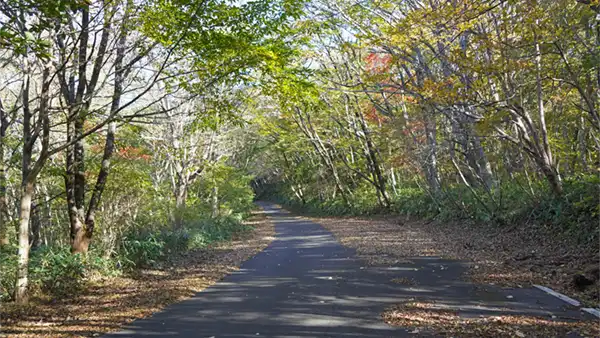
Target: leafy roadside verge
pixel 446 322
pixel 501 256
pixel 109 303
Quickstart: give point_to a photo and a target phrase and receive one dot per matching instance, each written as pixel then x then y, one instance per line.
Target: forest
pixel 135 130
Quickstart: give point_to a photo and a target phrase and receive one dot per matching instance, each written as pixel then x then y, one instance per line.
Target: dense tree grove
pixel 132 128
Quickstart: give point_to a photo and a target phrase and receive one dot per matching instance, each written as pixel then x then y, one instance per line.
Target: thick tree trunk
pixel 80 240
pixel 552 176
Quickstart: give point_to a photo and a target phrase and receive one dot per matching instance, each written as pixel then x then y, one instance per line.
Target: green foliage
pixel 235 196
pixel 141 250
pixel 23 34
pixel 230 40
pixel 53 271
pixel 148 248
pixel 57 272
pixel 414 202
pixel 575 214
pixel 205 232
pixel 8 271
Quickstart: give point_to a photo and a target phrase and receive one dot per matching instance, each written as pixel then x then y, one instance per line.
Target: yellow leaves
pixel 446 90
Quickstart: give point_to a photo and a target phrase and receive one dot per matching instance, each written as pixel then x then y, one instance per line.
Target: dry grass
pixel 109 303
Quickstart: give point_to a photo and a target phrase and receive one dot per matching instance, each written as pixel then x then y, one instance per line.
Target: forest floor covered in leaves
pixel 505 257
pixel 109 303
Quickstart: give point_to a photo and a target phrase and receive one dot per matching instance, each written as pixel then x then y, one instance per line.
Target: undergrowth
pixel 574 214
pixel 55 272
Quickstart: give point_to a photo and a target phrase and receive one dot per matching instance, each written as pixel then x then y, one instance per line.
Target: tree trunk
pixel 215 200
pixel 552 176
pixel 484 169
pixel 548 164
pixel 29 172
pixel 180 203
pixel 75 189
pixel 430 162
pixel 35 225
pixel 79 241
pixel 306 127
pixel 21 296
pixel 582 144
pixel 372 156
pixel 4 236
pixel 83 222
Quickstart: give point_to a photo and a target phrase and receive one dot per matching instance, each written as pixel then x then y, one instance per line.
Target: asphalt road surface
pixel 306 284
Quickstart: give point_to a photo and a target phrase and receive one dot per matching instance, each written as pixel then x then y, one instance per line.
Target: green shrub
pixel 103 266
pixel 139 251
pixel 205 232
pixel 8 272
pixel 53 271
pixel 175 241
pixel 57 272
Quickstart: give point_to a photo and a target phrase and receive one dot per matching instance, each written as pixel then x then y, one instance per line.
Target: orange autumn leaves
pixel 125 152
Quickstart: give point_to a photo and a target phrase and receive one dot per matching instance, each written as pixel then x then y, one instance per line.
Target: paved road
pixel 305 284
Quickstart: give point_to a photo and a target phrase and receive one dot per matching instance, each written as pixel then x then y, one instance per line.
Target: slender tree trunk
pixel 483 165
pixel 21 295
pixel 180 202
pixel 374 159
pixel 431 165
pixel 30 172
pixel 4 236
pixel 305 126
pixel 547 162
pixel 4 220
pixel 82 226
pixel 215 200
pixel 582 144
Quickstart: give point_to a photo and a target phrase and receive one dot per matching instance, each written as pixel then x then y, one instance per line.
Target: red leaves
pixel 373 116
pixel 133 153
pixel 378 62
